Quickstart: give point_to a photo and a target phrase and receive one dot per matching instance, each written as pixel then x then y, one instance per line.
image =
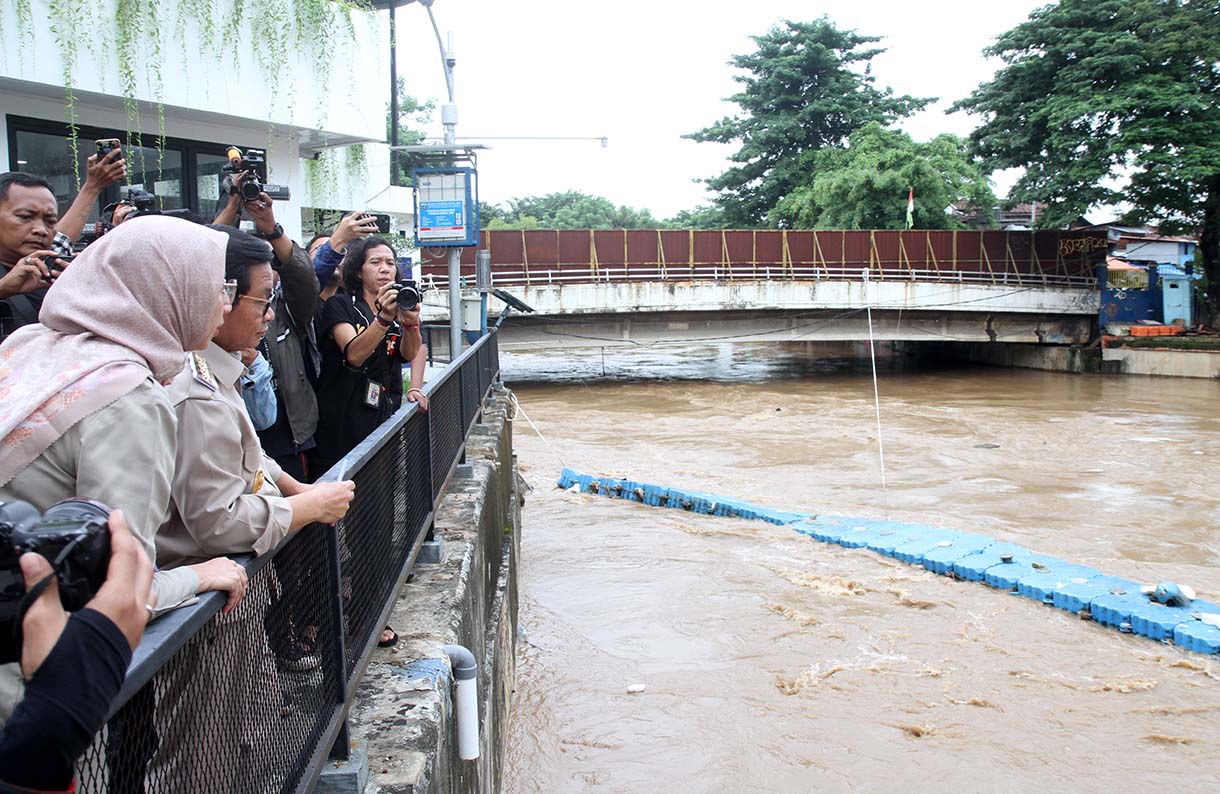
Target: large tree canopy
pixel 865 185
pixel 1104 101
pixel 808 85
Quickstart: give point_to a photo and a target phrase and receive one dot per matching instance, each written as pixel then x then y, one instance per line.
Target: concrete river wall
pixel 463 591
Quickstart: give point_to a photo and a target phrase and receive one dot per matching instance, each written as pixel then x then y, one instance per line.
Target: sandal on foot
pixel 386 643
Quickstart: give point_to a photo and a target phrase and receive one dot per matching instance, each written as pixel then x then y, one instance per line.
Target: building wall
pixel 1165 252
pixel 208 98
pixel 197 76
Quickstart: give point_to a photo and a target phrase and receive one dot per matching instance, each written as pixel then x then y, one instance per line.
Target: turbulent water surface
pixel 771 662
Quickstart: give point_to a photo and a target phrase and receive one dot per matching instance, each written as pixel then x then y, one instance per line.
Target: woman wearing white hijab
pixel 83 409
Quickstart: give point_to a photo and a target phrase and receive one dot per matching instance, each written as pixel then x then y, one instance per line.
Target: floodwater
pixel 772 662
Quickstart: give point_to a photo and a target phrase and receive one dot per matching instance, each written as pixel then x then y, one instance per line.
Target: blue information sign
pixel 442 218
pixel 446 207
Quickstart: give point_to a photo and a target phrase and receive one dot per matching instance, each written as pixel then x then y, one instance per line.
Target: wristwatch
pixel 275 234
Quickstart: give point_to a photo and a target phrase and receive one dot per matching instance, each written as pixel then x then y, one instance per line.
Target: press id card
pixel 372 393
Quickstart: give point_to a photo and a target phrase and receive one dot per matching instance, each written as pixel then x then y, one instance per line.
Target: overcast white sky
pixel 643 72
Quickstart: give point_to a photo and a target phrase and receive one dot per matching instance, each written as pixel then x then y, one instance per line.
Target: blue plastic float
pixel 1110 600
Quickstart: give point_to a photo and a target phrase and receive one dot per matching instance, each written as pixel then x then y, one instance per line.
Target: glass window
pixel 185 174
pixel 208 177
pixel 50 156
pixel 160 176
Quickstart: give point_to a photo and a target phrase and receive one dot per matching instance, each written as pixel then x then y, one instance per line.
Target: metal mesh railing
pixel 253 701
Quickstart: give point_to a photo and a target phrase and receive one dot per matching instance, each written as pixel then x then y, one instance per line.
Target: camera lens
pixel 250 190
pixel 408 296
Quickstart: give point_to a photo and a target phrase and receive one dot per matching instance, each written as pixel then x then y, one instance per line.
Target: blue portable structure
pixel 1177 299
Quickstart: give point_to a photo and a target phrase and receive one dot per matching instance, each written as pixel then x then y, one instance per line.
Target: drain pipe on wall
pixel 466 700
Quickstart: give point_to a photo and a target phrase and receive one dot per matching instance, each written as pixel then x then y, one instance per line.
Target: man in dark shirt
pixel 31 230
pixel 28 218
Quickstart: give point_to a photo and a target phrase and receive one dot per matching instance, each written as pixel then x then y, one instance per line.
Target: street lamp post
pixel 449 121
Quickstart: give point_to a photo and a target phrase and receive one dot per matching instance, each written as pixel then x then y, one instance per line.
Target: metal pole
pixel 449 120
pixel 393 96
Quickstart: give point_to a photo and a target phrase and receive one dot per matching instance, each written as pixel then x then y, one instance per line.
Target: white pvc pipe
pixel 465 700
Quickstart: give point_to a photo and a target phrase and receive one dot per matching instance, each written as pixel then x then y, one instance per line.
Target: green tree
pixel 572 210
pixel 412 115
pixel 865 185
pixel 1104 101
pixel 701 217
pixel 489 212
pixel 507 220
pixel 807 86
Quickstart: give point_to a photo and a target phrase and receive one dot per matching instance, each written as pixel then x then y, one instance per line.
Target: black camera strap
pixel 35 592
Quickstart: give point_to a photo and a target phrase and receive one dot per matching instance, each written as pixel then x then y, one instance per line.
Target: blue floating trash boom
pixel 1109 600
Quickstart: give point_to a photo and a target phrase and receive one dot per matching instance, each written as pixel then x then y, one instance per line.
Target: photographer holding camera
pixel 328 255
pixel 31 248
pixel 74 665
pixel 367 331
pixel 287 345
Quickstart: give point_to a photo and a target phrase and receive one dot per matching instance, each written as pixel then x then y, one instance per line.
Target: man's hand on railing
pixel 222 573
pixel 324 502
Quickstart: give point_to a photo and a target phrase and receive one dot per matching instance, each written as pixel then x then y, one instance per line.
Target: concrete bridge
pixel 600 288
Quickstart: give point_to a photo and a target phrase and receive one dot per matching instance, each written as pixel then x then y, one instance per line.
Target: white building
pixel 317 103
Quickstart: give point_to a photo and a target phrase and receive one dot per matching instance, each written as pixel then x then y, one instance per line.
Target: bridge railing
pixel 716 273
pixel 255 700
pixel 1027 258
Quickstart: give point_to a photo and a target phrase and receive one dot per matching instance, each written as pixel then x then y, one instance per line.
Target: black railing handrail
pixel 166 635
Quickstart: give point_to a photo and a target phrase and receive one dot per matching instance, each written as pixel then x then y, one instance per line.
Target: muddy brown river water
pixel 772 662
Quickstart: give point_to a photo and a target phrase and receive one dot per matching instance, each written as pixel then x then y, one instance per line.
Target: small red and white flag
pixel 911 208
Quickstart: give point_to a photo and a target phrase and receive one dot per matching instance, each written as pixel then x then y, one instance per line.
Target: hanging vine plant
pixel 25 25
pixel 357 166
pixel 203 12
pixel 64 21
pixel 321 174
pixel 319 30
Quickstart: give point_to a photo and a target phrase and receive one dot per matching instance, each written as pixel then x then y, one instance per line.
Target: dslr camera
pixel 253 161
pixel 144 202
pixel 72 535
pixel 408 294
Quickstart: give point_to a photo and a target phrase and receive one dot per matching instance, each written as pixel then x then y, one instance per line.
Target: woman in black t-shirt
pixel 365 339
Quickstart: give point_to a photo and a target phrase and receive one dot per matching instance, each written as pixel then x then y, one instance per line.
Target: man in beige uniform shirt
pixel 228 497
